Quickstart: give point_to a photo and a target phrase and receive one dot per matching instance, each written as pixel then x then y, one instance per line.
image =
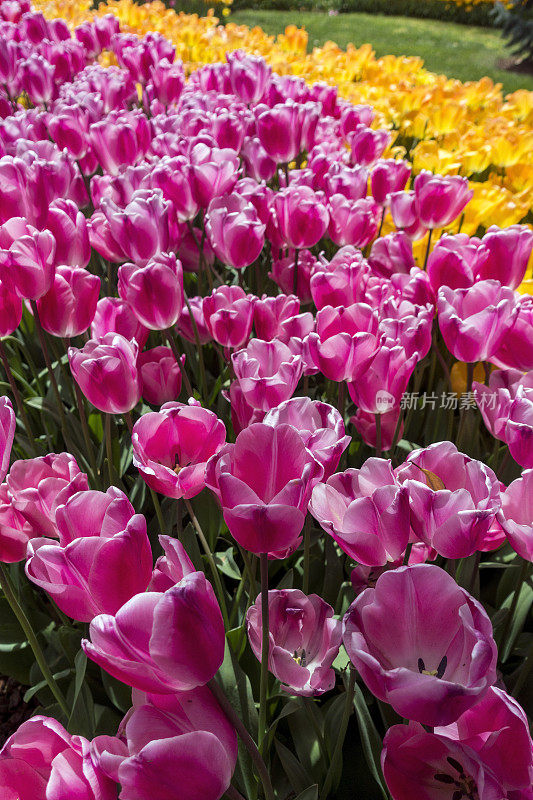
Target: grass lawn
pixel 459 51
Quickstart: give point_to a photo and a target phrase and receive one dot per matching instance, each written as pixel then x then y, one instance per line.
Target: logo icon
pixel 384 401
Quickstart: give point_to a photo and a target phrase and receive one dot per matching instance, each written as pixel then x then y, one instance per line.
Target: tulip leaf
pixel 309 794
pixel 118 692
pixel 523 606
pixel 33 690
pixel 79 711
pixel 226 564
pixel 298 777
pixel 370 739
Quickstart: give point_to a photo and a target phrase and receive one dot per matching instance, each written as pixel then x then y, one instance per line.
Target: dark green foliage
pixel 516 22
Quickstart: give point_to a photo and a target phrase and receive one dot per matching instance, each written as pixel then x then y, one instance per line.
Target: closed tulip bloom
pixel 474 321
pixel 367 145
pixel 69 306
pixel 28 257
pixel 185 324
pixel 162 642
pixel 242 414
pixel 68 226
pixel 267 372
pixel 386 376
pixel 516 348
pixel 171 567
pixel 174 177
pixel 257 163
pixel 172 446
pixel 228 314
pixel 10 308
pixel 38 486
pixel 270 312
pixel 160 375
pixel 342 282
pixel 351 182
pixel 515 516
pixel 283 273
pixel 234 230
pixel 301 216
pixel 353 115
pixel 180 743
pixel 421 643
pixel 214 172
pixel 497 729
pixel 353 222
pixel 405 214
pixel 366 511
pixel 119 140
pixel 342 347
pixel 8 424
pixel 113 315
pixel 100 538
pixel 42 760
pixel 506 254
pixel 365 424
pixel 249 76
pixel 454 499
pixel 454 262
pixel 15 530
pixel 391 254
pixel 304 640
pixel 154 291
pixel 388 175
pixel 279 131
pixel 263 483
pixel 320 425
pixel 440 198
pixel 37 79
pixel 425 765
pixel 167 82
pixel 106 371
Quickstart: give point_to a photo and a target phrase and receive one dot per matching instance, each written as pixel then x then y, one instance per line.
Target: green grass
pixel 458 51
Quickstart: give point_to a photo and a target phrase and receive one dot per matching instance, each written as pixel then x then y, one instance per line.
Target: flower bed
pixel 266 457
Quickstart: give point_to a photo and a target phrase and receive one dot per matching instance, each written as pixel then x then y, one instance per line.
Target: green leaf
pixel 299 778
pixel 523 606
pixel 43 684
pixel 287 582
pixel 226 564
pixel 309 794
pixel 80 718
pixel 370 739
pixel 118 692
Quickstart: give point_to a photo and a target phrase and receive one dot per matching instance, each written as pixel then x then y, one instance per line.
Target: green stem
pixel 378 435
pixel 157 507
pixel 177 355
pixel 307 553
pixel 524 672
pixel 333 766
pixel 265 651
pixel 211 560
pixel 109 447
pixel 295 276
pixel 18 399
pixel 25 624
pixel 428 247
pixel 407 554
pixel 203 380
pixel 502 642
pixel 307 704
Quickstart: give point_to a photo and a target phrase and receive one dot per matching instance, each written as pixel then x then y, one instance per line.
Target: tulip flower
pixel 506 254
pixel 342 347
pixel 454 262
pixel 351 182
pixel 153 291
pixel 37 79
pixel 214 172
pixel 185 324
pixel 405 214
pixel 263 483
pixel 516 348
pixel 440 198
pixel 258 164
pixel 304 640
pixel 386 376
pixel 515 515
pixel 454 499
pixel 366 511
pixel 10 308
pixel 367 145
pixel 365 424
pixel 120 139
pixel 113 315
pixel 172 446
pixel 69 229
pixel 242 414
pixel 181 740
pixel 392 253
pixel 249 76
pixel 160 375
pixel 68 307
pixel 267 372
pixel 387 176
pixel 8 424
pixel 100 536
pixel 27 258
pixel 425 765
pixel 353 115
pixel 15 530
pixel 283 273
pixel 228 314
pixel 421 643
pixel 38 486
pixel 42 760
pixel 134 645
pixel 279 131
pixel 353 222
pixel 106 371
pixel 301 216
pixel 167 82
pixel 270 312
pixel 174 177
pixel 234 230
pixel 473 321
pixel 171 567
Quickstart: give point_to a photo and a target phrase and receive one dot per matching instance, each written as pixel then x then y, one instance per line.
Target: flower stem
pixel 333 766
pixel 177 356
pixel 522 577
pixel 378 435
pixel 18 399
pixel 295 276
pixel 211 560
pixel 428 247
pixel 25 624
pixel 265 652
pixel 307 553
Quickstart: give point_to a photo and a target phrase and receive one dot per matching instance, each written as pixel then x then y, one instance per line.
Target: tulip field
pixel 266 416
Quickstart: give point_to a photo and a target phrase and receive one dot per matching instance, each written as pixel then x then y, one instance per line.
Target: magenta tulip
pixel 367 145
pixel 515 516
pixel 154 291
pixel 342 347
pixel 271 312
pixel 69 228
pixel 454 262
pixel 27 257
pixel 267 372
pixel 386 376
pixel 353 222
pixel 69 306
pixel 228 314
pixel 174 177
pixel 160 375
pixel 185 323
pixel 304 640
pixel 10 307
pixel 301 216
pixel 234 230
pixel 440 198
pixel 350 182
pixel 506 254
pixel 120 139
pixel 516 348
pixel 171 567
pixel 249 76
pixel 387 176
pixel 214 172
pixel 15 530
pixel 421 643
pixel 279 131
pixel 113 315
pixel 283 273
pixel 8 424
pixel 392 253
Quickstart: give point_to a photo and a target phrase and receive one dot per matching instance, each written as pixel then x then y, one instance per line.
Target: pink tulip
pixel 440 198
pixel 242 414
pixel 283 273
pixel 497 729
pixel 320 426
pixel 351 182
pixel 174 177
pixel 515 516
pixel 454 499
pixel 388 175
pixel 342 347
pixel 366 511
pixel 454 262
pixel 134 645
pixel 37 79
pixel 386 377
pixel 172 446
pixel 234 230
pixel 69 128
pixel 69 306
pixel 27 257
pixel 167 82
pixel 279 131
pixel 304 640
pixel 8 424
pixel 41 760
pixel 160 375
pixel 367 145
pixel 342 281
pixel 228 314
pixel 271 312
pixel 516 348
pixel 113 315
pixel 15 530
pixel 106 371
pixel 249 76
pixel 419 764
pixel 214 172
pixel 228 128
pixel 154 291
pixel 301 216
pixel 267 372
pixel 421 643
pixel 120 139
pixel 392 253
pixel 354 115
pixel 258 164
pixel 506 254
pixel 263 483
pixel 185 324
pixel 38 486
pixel 69 229
pixel 171 567
pixel 506 405
pixel 353 222
pixel 365 424
pixel 408 325
pixel 168 741
pixel 405 214
pixel 10 308
pixel 100 537
pixel 474 321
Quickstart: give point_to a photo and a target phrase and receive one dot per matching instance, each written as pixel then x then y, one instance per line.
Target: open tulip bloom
pixel 266 442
